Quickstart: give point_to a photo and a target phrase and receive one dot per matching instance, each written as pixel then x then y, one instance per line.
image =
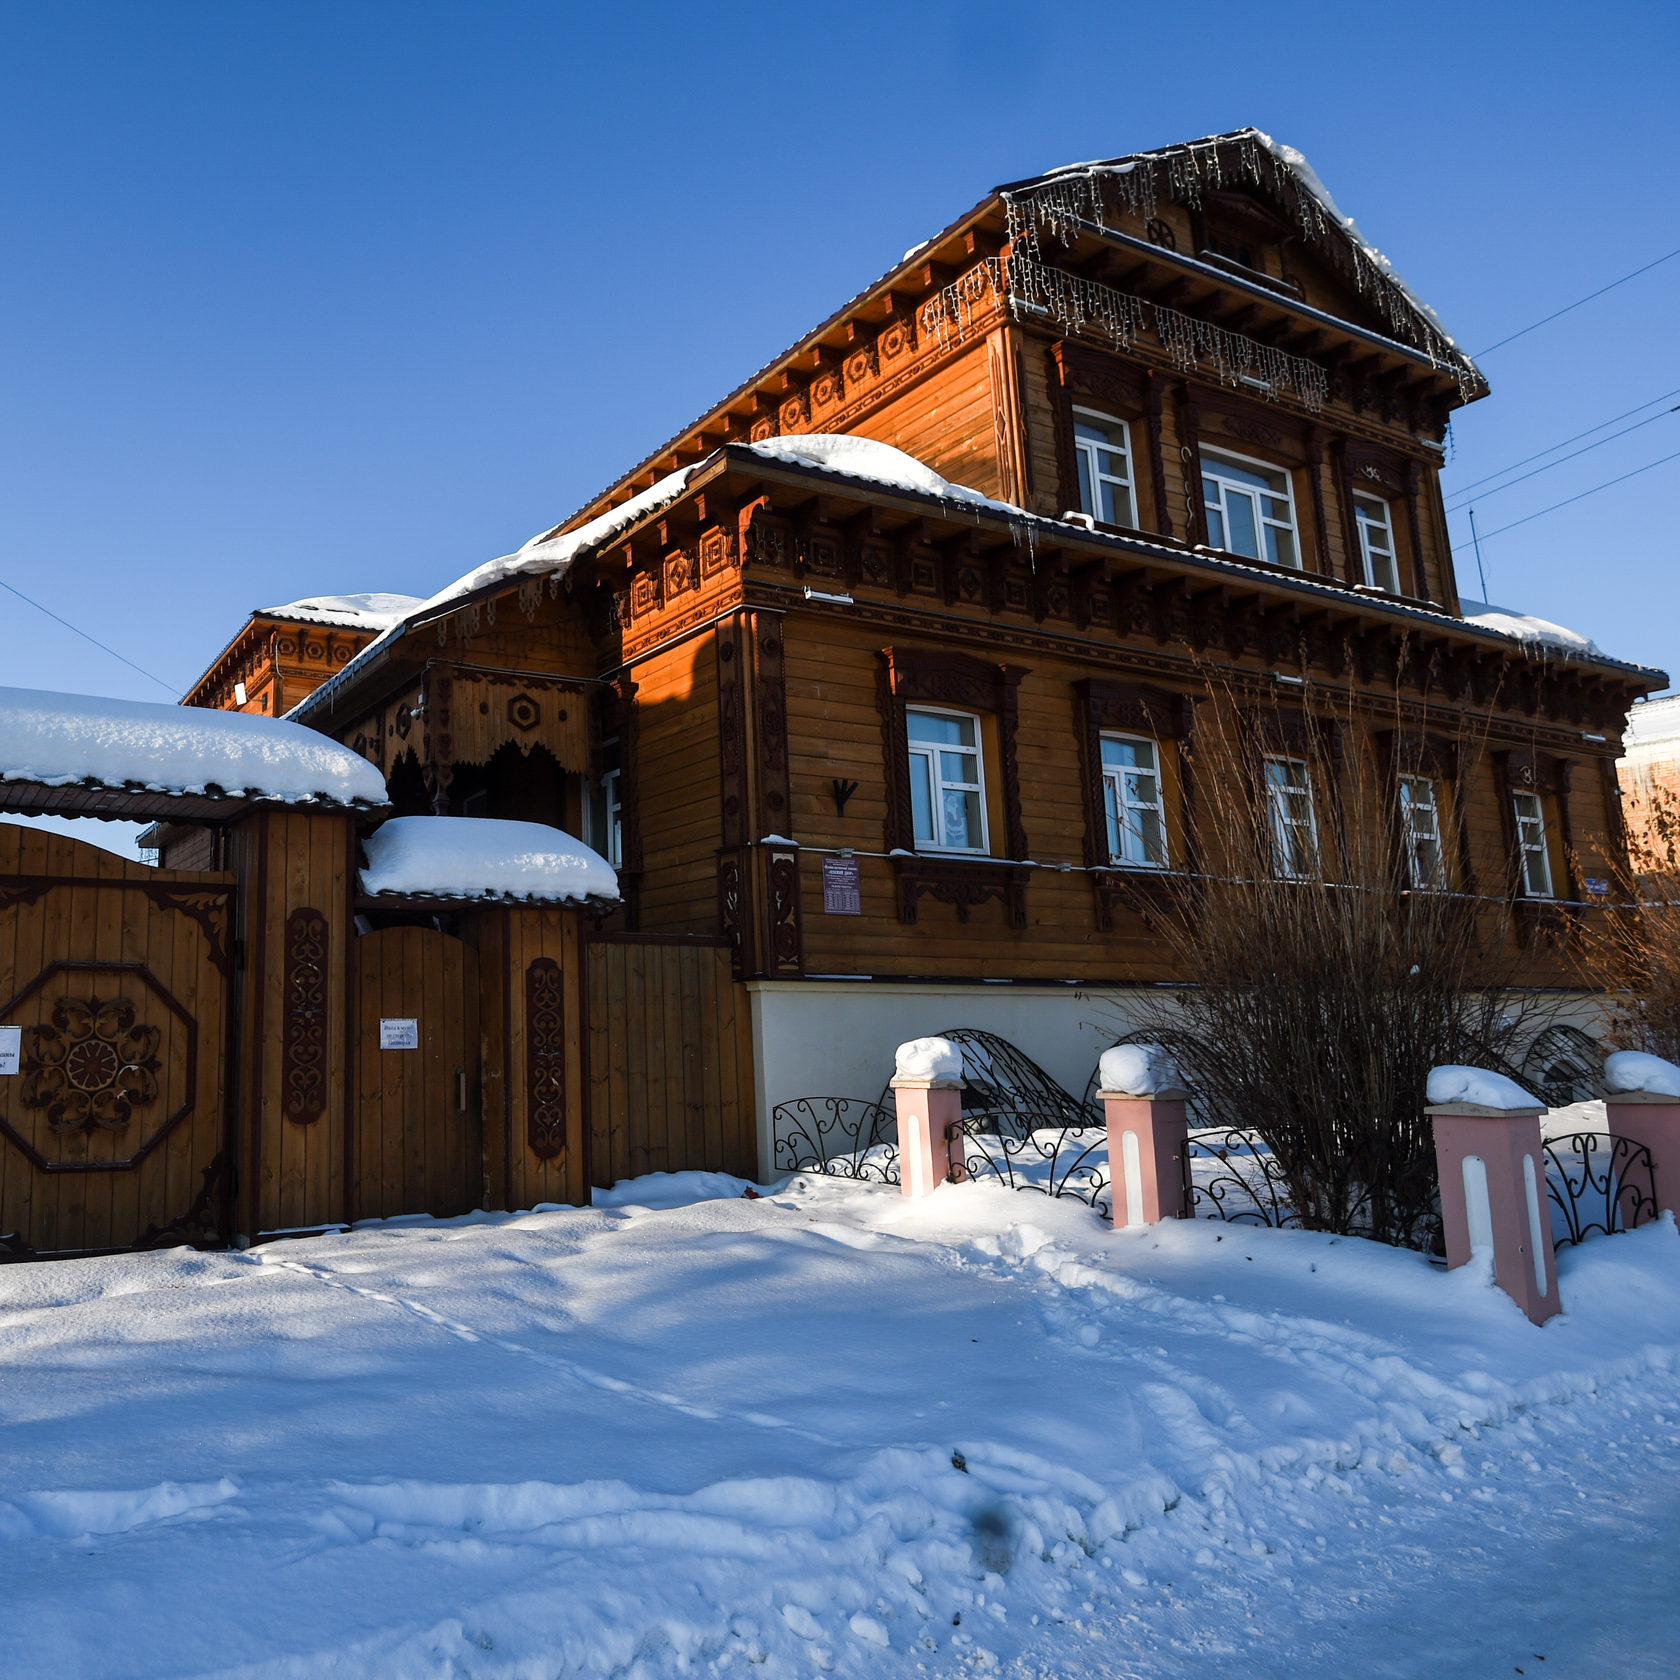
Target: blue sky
pixel 303 298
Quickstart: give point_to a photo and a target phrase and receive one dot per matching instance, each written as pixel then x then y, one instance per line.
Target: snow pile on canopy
pixel 67 740
pixel 347 612
pixel 483 857
pixel 1481 1086
pixel 1530 631
pixel 878 463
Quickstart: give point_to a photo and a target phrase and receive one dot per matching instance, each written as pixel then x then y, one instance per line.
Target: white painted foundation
pixel 836 1038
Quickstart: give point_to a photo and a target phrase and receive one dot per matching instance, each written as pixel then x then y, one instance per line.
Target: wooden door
pixel 417 1126
pixel 114 988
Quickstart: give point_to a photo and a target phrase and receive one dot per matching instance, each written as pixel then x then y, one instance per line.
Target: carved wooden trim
pixel 784 935
pixel 1157 463
pixel 303 1046
pixel 545 1059
pixel 734 912
pixel 1061 420
pixel 1315 475
pixel 770 694
pixel 1414 532
pixel 437 741
pixel 962 883
pixel 1190 449
pixel 732 729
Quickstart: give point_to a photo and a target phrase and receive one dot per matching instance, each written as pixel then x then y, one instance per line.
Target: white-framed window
pixel 1250 508
pixel 947 783
pixel 1104 448
pixel 1289 810
pixel 1531 845
pixel 606 810
pixel 1420 829
pixel 1376 543
pixel 1132 802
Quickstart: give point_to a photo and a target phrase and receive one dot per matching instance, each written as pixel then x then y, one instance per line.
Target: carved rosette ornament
pixel 545 1059
pixel 91 1067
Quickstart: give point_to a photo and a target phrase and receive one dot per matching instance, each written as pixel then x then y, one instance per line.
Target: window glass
pixel 1531 845
pixel 1289 803
pixel 1376 543
pixel 947 793
pixel 1420 823
pixel 1137 829
pixel 1250 509
pixel 605 812
pixel 1104 449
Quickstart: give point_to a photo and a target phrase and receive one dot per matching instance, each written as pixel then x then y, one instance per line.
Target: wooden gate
pixel 116 977
pixel 417 1143
pixel 670 1058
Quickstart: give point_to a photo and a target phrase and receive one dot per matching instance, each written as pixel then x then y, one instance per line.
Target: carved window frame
pixel 933 752
pixel 1138 709
pixel 959 682
pixel 1547 777
pixel 1436 759
pixel 1088 471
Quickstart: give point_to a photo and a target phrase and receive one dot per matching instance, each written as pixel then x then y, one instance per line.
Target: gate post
pixel 1493 1182
pixel 1143 1098
pixel 927 1095
pixel 1643 1106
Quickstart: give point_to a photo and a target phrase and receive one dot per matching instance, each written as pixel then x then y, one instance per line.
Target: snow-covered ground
pixel 830 1430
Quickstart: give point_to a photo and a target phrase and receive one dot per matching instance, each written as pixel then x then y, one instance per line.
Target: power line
pixel 87 638
pixel 1585 493
pixel 1570 457
pixel 1577 303
pixel 1564 444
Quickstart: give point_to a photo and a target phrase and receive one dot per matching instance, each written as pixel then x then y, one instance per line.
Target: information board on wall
pixel 399 1032
pixel 11 1049
pixel 842 892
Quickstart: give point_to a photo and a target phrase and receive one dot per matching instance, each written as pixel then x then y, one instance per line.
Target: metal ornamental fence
pixel 1023 1130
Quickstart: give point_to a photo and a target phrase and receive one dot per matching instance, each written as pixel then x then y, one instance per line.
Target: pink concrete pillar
pixel 1643 1106
pixel 1143 1100
pixel 1493 1191
pixel 1148 1141
pixel 929 1122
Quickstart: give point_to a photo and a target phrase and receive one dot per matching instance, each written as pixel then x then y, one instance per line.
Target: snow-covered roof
pixel 875 463
pixel 1652 730
pixel 346 612
pixel 483 858
pixel 1181 172
pixel 85 740
pixel 1539 633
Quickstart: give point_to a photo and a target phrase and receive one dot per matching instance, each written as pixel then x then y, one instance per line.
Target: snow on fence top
pixel 1138 1070
pixel 346 612
pixel 928 1059
pixel 1479 1086
pixel 1633 1070
pixel 1530 631
pixel 70 740
pixel 483 857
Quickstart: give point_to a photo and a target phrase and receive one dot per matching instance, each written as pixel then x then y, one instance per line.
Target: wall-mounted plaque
pixel 399 1032
pixel 842 893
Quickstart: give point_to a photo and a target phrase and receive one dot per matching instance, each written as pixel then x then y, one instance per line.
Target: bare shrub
pixel 1316 1006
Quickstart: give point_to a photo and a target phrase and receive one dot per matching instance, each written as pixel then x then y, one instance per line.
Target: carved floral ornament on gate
pixel 91 1066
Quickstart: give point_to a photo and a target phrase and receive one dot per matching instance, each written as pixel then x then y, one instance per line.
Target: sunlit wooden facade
pixel 879 736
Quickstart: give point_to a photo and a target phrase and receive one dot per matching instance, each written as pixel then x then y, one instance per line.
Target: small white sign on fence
pixel 11 1049
pixel 399 1032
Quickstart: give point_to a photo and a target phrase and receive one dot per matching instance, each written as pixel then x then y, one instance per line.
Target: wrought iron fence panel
pixel 1598 1183
pixel 1245 1188
pixel 840 1137
pixel 1040 1152
pixel 1003 1084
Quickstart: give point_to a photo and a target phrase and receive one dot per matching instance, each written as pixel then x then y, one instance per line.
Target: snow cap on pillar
pixel 935 1061
pixel 1633 1070
pixel 1452 1086
pixel 1139 1070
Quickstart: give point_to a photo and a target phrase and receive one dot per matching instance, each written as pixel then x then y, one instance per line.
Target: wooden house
pixel 894 670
